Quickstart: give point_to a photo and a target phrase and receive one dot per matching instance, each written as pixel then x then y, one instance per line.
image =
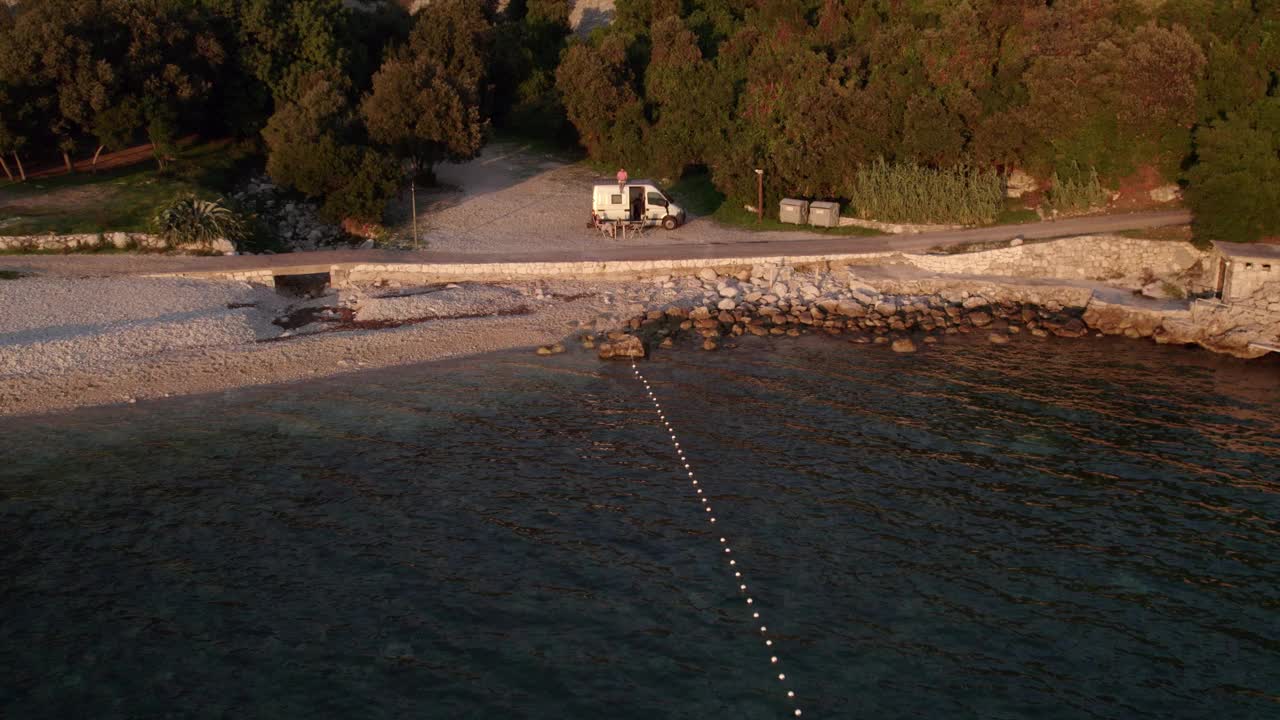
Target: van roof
pixel 637 181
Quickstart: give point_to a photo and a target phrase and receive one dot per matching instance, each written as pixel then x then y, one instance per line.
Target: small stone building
pixel 1241 269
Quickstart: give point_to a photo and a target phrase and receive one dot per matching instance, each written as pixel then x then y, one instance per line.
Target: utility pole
pixel 759 196
pixel 413 195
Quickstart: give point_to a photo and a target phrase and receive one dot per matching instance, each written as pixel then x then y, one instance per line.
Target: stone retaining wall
pixel 1098 258
pixel 1103 258
pixel 1087 258
pixel 93 241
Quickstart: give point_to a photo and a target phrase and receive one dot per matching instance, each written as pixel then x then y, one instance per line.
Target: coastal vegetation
pixel 341 104
pixel 1076 192
pixel 919 194
pixel 698 194
pixel 904 112
pixel 192 220
pixel 123 198
pixel 815 91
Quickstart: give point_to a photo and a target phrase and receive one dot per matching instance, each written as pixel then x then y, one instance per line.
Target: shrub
pixel 190 220
pixel 1076 193
pixel 364 196
pixel 903 192
pixel 1235 189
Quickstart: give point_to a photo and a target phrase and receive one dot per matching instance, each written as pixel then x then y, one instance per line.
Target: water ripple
pixel 1054 530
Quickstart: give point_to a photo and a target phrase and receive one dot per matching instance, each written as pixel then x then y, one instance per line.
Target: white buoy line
pixel 774 661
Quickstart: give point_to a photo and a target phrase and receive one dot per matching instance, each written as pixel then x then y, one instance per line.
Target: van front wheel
pixel 670 223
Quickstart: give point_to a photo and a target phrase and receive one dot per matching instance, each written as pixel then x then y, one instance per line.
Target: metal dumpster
pixel 824 214
pixel 793 211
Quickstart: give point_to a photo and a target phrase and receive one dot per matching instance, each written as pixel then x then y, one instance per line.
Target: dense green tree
pixel 602 102
pixel 103 68
pixel 426 98
pixel 11 139
pixel 272 44
pixel 1235 187
pixel 314 145
pixel 527 46
pixel 811 91
pixel 57 60
pixel 817 88
pixel 686 100
pixel 16 111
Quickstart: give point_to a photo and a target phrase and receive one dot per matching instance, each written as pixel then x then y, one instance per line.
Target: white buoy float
pixel 742 587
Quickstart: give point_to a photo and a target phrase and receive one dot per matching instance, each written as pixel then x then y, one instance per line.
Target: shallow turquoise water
pixel 1071 530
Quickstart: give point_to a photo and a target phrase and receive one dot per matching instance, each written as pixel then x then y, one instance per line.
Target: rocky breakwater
pixel 1245 328
pixel 779 300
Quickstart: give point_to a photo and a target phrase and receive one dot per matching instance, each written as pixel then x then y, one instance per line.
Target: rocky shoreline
pixel 74 342
pixel 780 300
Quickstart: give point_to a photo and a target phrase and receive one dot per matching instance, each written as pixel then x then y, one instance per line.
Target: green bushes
pixel 810 90
pixel 901 192
pixel 1235 189
pixel 190 220
pixel 1077 193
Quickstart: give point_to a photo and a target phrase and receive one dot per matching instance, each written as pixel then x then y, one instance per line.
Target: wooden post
pixel 8 173
pixel 22 172
pixel 759 196
pixel 413 200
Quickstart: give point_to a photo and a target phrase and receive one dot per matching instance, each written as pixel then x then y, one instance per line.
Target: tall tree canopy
pixel 810 90
pixel 426 102
pixel 104 69
pixel 314 144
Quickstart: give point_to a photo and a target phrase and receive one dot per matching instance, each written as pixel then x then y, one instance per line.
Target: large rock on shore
pixel 628 347
pixel 980 319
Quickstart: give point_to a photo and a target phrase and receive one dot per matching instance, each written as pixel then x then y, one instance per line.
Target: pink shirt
pixel 622 177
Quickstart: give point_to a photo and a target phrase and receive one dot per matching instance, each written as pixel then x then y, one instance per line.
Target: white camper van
pixel 635 201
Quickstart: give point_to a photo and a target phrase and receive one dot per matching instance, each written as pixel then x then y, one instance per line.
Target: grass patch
pixel 1015 213
pixel 122 199
pixel 696 194
pixel 1172 233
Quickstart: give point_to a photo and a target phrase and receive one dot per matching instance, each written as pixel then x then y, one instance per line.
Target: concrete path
pixel 744 244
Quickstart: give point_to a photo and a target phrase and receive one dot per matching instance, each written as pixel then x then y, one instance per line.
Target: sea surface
pixel 1076 529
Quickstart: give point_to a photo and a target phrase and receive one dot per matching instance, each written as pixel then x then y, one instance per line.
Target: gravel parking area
pixel 513 198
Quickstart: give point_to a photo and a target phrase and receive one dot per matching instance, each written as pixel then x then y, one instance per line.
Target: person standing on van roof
pixel 622 179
